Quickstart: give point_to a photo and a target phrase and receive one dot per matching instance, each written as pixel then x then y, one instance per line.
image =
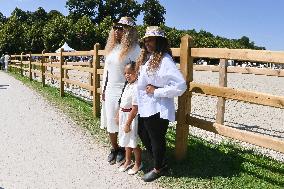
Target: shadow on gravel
pixel 4 87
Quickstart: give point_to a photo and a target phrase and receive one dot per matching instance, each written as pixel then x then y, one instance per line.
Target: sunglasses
pixel 117 28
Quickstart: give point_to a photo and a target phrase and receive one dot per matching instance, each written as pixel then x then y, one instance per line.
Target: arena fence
pixel 42 65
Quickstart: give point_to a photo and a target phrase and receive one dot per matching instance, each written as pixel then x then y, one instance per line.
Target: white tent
pixel 66 48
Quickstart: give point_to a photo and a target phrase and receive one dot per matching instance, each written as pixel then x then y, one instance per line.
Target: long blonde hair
pixel 162 47
pixel 128 41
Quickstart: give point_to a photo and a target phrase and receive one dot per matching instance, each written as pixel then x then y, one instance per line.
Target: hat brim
pixel 146 36
pixel 124 25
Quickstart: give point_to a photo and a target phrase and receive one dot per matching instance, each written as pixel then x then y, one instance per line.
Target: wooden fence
pixel 186 54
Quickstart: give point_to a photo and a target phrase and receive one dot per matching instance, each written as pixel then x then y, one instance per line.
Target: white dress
pixel 128 99
pixel 115 84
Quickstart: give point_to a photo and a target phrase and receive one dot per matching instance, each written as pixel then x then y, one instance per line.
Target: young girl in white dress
pixel 128 122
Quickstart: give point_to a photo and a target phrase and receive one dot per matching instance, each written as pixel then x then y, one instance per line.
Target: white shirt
pixel 170 83
pixel 115 66
pixel 129 96
pixel 6 58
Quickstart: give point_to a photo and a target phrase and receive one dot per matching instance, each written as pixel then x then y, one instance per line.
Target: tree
pixel 153 13
pixel 34 38
pixel 2 18
pixel 83 34
pixel 12 36
pixel 78 9
pixel 40 15
pixel 56 32
pixel 97 10
pixel 102 31
pixel 53 13
pixel 117 9
pixel 20 15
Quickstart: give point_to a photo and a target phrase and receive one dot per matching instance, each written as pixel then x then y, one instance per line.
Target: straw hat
pixel 154 31
pixel 128 21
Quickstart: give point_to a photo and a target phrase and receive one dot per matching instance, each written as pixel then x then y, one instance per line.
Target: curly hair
pixel 128 41
pixel 162 47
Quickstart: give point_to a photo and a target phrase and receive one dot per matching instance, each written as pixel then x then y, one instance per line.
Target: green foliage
pixel 56 32
pixel 20 15
pixel 173 35
pixel 12 36
pixel 78 9
pixel 40 15
pixel 82 34
pixel 89 22
pixel 97 10
pixel 2 18
pixel 153 13
pixel 53 13
pixel 103 30
pixel 117 9
pixel 141 30
pixel 34 38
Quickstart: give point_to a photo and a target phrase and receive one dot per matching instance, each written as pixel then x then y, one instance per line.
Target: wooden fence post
pixel 42 69
pixel 222 83
pixel 30 66
pixel 51 71
pixel 61 70
pixel 96 80
pixel 34 67
pixel 21 65
pixel 184 101
pixel 66 74
pixel 91 74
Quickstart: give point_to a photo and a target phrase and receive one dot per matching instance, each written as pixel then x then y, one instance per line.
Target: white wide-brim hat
pixel 154 31
pixel 128 21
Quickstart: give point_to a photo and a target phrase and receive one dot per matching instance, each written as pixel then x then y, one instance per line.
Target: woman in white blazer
pixel 159 81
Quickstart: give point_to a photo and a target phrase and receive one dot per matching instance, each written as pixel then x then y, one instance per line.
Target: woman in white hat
pixel 159 81
pixel 122 46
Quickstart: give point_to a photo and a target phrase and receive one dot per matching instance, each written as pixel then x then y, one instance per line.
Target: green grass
pixel 217 166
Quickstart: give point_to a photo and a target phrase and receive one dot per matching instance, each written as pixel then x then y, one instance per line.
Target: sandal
pixel 133 172
pixel 123 169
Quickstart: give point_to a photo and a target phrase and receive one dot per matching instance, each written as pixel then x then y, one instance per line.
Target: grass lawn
pixel 207 165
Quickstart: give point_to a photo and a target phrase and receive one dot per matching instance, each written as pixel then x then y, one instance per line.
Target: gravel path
pixel 42 148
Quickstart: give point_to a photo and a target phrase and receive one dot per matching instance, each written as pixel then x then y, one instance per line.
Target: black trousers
pixel 152 132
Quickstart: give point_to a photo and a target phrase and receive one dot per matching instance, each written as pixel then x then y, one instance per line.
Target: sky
pixel 260 20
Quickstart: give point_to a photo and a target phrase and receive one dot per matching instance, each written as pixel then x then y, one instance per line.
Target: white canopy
pixel 66 47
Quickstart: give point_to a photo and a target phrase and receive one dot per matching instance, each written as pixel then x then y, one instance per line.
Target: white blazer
pixel 170 83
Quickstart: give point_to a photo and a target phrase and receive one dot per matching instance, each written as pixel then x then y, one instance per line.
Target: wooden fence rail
pixel 26 63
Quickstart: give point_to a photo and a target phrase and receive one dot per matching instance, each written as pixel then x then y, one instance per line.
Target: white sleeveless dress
pixel 114 86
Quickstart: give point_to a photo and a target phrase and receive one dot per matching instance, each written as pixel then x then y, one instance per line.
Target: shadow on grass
pixel 205 162
pixel 208 161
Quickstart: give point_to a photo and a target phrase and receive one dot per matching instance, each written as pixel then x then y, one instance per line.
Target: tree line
pixel 89 22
